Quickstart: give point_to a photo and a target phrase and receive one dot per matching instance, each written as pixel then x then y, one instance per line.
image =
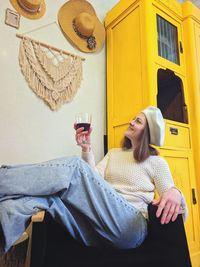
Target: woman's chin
pixel 127 135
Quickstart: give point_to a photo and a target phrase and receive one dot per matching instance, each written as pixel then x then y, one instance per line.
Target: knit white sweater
pixel 136 182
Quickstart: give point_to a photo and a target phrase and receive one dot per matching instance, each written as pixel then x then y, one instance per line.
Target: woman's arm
pixel 87 154
pixel 101 166
pixel 171 199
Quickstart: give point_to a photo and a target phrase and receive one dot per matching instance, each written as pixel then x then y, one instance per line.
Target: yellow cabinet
pixel 147 65
pixel 144 50
pixel 124 73
pixel 191 30
pixel 176 136
pixel 181 166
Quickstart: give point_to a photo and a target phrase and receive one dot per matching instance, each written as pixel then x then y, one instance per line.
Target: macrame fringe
pixel 57 83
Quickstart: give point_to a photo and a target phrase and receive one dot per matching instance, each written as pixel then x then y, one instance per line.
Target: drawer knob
pixel 173 130
pixel 194 197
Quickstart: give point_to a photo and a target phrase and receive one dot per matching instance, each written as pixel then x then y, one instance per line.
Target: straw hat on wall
pixel 79 22
pixel 31 9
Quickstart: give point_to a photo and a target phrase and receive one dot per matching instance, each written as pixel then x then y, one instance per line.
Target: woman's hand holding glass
pixel 83 130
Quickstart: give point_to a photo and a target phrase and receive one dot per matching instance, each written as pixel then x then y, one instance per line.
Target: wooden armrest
pixel 23 237
pixel 38 217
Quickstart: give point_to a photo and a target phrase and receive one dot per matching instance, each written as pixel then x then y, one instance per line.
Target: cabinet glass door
pixel 167 40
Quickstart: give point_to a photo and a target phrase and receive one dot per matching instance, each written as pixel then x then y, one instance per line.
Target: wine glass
pixel 83 120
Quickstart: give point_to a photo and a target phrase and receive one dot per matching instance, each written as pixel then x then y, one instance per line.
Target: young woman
pixel 136 170
pixel 100 206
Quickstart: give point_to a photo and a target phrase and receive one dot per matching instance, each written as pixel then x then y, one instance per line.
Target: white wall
pixel 30 131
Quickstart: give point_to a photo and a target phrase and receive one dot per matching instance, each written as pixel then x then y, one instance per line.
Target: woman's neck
pixel 134 145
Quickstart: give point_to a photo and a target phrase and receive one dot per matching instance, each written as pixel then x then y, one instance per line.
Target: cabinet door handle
pixel 173 130
pixel 181 48
pixel 194 197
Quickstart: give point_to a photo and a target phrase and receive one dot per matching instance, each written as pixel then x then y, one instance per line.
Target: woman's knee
pixel 76 160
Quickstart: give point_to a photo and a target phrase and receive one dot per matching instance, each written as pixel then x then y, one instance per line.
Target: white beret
pixel 156 125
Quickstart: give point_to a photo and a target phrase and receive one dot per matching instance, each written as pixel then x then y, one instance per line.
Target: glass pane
pixel 167 40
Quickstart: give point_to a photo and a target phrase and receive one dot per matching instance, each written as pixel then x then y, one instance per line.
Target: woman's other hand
pixel 169 202
pixel 83 135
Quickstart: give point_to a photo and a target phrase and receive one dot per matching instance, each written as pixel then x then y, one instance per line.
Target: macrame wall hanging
pixel 55 79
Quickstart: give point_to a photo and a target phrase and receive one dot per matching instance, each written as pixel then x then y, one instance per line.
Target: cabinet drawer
pixel 177 136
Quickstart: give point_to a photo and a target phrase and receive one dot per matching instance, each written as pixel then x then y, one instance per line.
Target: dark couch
pixel 165 246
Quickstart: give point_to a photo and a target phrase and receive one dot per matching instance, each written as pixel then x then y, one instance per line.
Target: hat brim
pixel 66 15
pixel 26 14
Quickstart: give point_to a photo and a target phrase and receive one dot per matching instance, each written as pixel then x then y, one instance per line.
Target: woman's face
pixel 135 129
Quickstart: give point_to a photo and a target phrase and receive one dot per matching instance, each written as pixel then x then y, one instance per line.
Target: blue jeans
pixel 75 196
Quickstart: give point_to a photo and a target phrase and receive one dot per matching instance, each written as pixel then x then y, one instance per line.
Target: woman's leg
pixel 95 213
pixel 45 178
pixel 102 210
pixel 15 216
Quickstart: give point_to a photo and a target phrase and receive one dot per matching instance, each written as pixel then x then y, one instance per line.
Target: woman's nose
pixel 131 123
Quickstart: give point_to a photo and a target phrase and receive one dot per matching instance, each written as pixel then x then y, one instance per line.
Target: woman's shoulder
pixel 120 150
pixel 116 151
pixel 113 150
pixel 160 166
pixel 157 161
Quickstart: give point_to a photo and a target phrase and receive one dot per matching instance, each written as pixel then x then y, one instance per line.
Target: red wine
pixel 85 125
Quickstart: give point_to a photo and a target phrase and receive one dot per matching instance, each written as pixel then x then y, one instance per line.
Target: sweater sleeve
pixel 163 182
pixel 101 166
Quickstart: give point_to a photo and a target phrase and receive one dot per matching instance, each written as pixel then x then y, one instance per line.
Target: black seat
pixel 165 246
